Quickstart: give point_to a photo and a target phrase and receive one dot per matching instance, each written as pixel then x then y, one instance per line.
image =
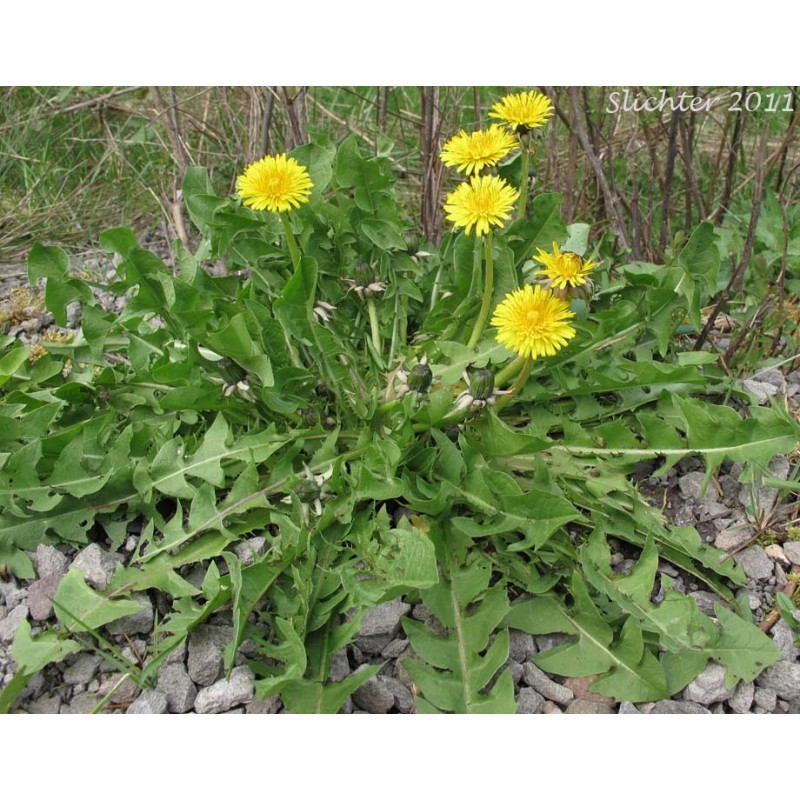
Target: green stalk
pixel 294 251
pixel 488 288
pixel 508 371
pixel 523 183
pixel 517 385
pixel 375 329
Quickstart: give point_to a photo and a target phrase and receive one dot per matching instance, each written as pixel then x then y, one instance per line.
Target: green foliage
pixel 454 674
pixel 218 408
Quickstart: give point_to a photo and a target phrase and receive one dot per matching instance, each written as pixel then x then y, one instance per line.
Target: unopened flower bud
pixel 364 275
pixel 420 378
pixel 308 491
pixel 481 384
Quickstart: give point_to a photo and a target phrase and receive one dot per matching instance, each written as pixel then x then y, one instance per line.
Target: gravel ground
pixel 191 681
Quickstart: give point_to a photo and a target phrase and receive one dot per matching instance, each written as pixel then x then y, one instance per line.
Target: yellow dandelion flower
pixel 276 183
pixel 483 202
pixel 524 111
pixel 564 269
pixel 532 322
pixel 471 152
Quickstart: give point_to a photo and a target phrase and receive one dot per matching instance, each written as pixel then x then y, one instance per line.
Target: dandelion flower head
pixel 524 110
pixel 532 322
pixel 564 269
pixel 471 152
pixel 485 202
pixel 275 183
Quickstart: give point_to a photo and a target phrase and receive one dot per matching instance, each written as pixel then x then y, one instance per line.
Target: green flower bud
pixel 308 491
pixel 364 275
pixel 481 384
pixel 309 416
pixel 420 377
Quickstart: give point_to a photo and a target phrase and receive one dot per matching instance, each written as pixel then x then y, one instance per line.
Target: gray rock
pixel 710 509
pixel 783 678
pixel 73 314
pixel 517 671
pixel 205 653
pixel 743 697
pixel 340 666
pixel 40 597
pixel 764 499
pixel 49 561
pixel 775 552
pixel 579 706
pixel 628 708
pixel 403 699
pixel 269 706
pixel 547 641
pixel 685 514
pixel 765 699
pixel 119 688
pixel 9 625
pixel 374 696
pixel 140 622
pixel 150 701
pixel 709 686
pixel 395 649
pixel 373 645
pixel 384 619
pixel 729 486
pixel 691 486
pixel 250 549
pixel 419 612
pixel 733 538
pixel 12 594
pixel 678 707
pixel 48 704
pixel 82 703
pixel 96 565
pixel 83 669
pixel 535 678
pixel 772 375
pixel 174 682
pixel 225 694
pixel 521 646
pixel 178 654
pixel 784 636
pixel 763 391
pixel 755 563
pixel 550 707
pixel 529 701
pixel 705 601
pixel 792 551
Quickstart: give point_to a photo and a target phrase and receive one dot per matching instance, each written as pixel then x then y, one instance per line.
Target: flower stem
pixel 508 371
pixel 523 182
pixel 294 251
pixel 488 288
pixel 518 383
pixel 375 329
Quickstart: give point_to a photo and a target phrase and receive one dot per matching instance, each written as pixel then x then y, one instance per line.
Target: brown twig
pixel 610 200
pixel 380 112
pixel 431 165
pixel 758 191
pixel 733 155
pixel 669 172
pixel 791 587
pixel 266 119
pixel 293 100
pixel 783 150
